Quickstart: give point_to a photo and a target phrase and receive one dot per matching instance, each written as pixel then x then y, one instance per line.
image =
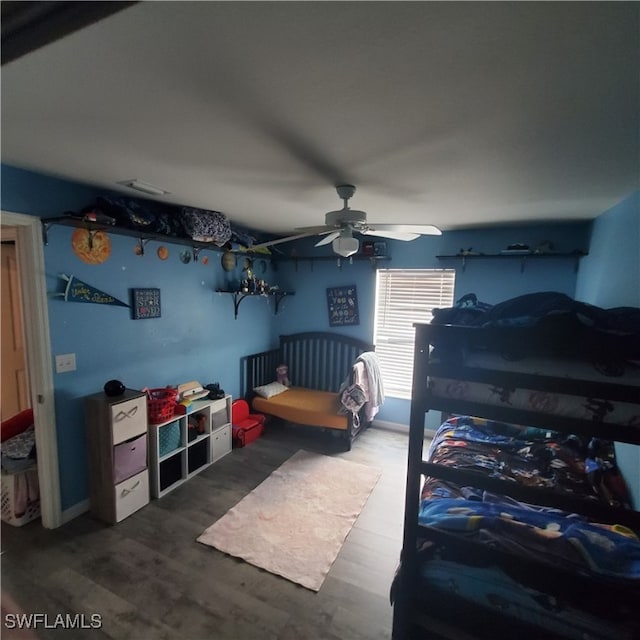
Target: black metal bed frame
pixel 410 605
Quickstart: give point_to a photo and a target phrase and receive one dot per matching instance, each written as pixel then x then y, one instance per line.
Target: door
pixel 15 382
pixel 29 258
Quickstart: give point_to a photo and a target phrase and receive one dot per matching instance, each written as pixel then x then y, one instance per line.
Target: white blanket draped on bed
pixel 366 373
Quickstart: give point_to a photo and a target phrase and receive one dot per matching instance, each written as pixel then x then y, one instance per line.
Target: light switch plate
pixel 65 362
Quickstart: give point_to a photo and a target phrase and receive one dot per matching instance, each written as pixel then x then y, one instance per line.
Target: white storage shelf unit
pixel 185 445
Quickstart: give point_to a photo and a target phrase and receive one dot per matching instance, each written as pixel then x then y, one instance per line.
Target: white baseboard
pixel 399 427
pixel 73 512
pixel 391 426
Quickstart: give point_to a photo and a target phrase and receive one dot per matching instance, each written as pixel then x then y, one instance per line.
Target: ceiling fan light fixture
pixel 149 189
pixel 345 245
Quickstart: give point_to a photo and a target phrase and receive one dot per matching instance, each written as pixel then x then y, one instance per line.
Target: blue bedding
pixel 493 589
pixel 547 536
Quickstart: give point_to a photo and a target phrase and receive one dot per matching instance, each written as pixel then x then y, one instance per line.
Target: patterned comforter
pixel 532 457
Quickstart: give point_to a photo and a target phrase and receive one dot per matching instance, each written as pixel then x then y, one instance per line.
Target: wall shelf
pixel 239 296
pixel 142 236
pixel 333 258
pixel 523 257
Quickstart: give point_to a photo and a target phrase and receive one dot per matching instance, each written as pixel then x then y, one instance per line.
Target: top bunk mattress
pixel 541 352
pixel 590 399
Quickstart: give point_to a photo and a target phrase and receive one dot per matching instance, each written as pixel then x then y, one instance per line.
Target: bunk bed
pixel 319 364
pixel 495 547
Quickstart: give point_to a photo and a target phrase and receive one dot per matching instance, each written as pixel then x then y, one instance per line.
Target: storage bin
pixel 220 443
pixel 171 470
pixel 129 458
pixel 131 495
pixel 219 418
pixel 128 419
pixel 161 404
pixel 198 455
pixel 169 438
pixel 18 510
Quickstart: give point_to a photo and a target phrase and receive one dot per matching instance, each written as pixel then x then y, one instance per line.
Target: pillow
pixel 270 390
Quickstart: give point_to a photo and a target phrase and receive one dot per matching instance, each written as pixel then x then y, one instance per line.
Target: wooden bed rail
pixel 259 369
pixel 320 360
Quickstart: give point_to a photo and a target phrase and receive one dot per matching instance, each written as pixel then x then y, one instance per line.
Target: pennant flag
pixel 78 291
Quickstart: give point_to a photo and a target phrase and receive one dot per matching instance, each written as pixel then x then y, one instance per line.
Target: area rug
pixel 295 522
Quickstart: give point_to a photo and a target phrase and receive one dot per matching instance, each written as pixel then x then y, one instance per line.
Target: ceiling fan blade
pixel 271 243
pixel 420 229
pixel 328 238
pixel 322 228
pixel 392 235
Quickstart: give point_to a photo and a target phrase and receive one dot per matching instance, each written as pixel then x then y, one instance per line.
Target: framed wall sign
pixel 342 303
pixel 145 303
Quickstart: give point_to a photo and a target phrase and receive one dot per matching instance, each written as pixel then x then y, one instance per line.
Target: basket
pixel 161 404
pixel 29 511
pixel 169 438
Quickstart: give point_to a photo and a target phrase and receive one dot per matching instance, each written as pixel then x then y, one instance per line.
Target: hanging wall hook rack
pixel 91 233
pixel 45 232
pixel 142 243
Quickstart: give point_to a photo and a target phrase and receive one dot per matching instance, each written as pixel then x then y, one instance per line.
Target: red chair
pixel 245 427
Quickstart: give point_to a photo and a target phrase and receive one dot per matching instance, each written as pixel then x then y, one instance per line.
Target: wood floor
pixel 149 579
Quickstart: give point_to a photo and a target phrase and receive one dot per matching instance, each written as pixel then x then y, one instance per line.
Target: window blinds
pixel 405 296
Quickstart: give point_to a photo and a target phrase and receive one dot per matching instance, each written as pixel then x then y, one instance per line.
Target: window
pixel 405 296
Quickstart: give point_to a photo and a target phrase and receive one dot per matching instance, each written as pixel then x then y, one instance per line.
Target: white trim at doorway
pixel 30 257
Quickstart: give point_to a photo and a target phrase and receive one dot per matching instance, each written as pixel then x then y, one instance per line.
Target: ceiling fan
pixel 340 225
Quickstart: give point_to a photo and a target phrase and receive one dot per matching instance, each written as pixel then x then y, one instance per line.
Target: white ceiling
pixel 454 114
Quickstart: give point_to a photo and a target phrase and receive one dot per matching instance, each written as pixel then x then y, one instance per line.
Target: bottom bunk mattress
pixel 565 463
pixel 606 557
pixel 304 406
pixel 489 596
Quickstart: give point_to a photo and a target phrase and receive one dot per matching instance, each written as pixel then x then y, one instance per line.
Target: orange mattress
pixel 304 406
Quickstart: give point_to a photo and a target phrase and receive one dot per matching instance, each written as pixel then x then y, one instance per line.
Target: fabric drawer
pixel 169 438
pixel 131 495
pixel 219 417
pixel 129 419
pixel 129 458
pixel 220 442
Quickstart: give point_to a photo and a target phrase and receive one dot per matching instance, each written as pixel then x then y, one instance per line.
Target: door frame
pixel 35 313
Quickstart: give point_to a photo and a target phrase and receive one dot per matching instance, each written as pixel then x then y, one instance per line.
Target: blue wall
pixel 197 337
pixel 610 277
pixel 492 280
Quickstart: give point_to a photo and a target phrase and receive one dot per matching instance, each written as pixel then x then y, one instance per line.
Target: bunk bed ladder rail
pixel 408 576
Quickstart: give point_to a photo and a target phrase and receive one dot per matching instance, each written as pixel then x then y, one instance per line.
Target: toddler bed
pixel 319 364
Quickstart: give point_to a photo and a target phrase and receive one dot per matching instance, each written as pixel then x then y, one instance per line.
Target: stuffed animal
pixel 282 372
